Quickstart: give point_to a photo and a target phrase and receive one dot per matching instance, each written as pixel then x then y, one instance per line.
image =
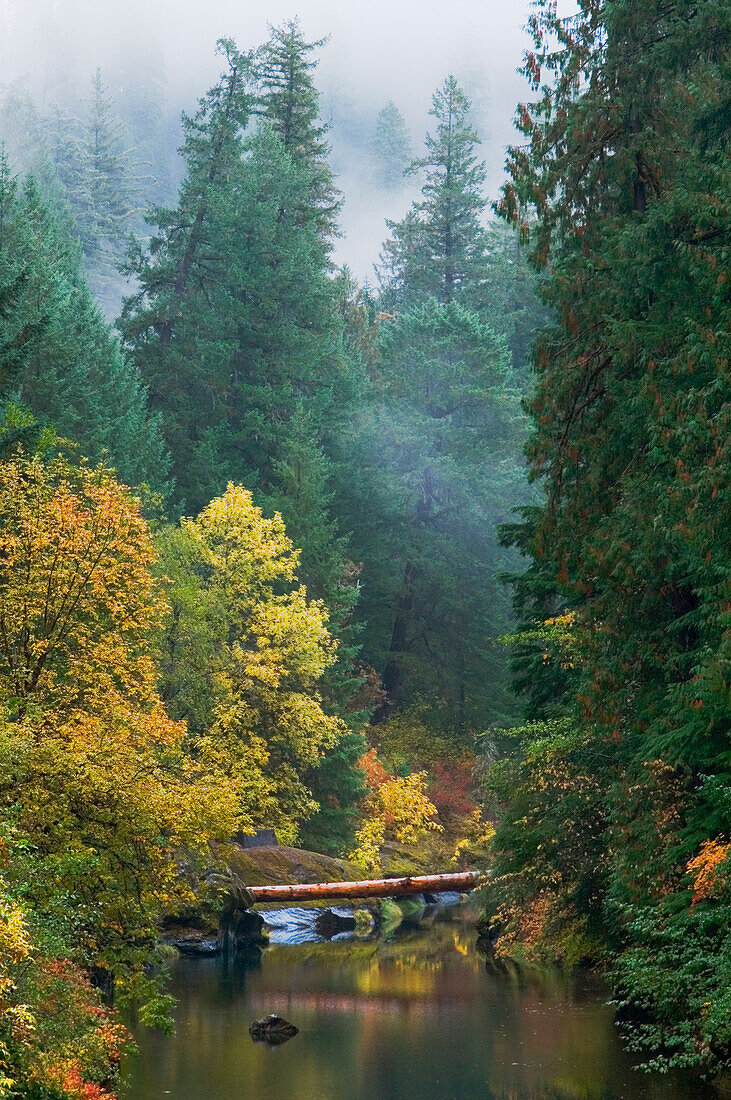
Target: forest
pixel 431 569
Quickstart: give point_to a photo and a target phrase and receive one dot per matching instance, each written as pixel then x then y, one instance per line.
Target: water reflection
pixel 419 1016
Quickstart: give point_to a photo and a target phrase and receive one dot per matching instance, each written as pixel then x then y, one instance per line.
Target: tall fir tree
pixel 390 148
pixel 29 143
pixel 57 355
pixel 439 248
pixel 102 183
pixel 175 324
pixel 289 99
pixel 626 171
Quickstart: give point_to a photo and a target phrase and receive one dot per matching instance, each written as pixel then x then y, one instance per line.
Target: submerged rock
pixel 193 945
pixel 272 1030
pixel 240 928
pixel 333 922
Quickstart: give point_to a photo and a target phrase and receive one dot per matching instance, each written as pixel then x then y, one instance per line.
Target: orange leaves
pixel 375 773
pixel 69 1079
pixel 398 807
pixel 704 868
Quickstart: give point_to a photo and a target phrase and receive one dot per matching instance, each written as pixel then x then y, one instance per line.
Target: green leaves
pixel 630 427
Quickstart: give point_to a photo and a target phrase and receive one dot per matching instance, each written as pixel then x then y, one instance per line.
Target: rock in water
pixel 272 1030
pixel 195 945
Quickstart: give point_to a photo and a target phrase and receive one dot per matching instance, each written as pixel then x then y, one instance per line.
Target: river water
pixel 417 1015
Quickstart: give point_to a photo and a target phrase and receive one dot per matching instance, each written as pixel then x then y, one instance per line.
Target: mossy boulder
pixel 279 865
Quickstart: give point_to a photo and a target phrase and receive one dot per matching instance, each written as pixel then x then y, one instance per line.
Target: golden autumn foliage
pixel 705 866
pixel 93 773
pixel 17 1025
pixel 242 655
pixel 397 808
pixel 407 810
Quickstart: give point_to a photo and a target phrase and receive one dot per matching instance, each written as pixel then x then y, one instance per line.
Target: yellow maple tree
pixel 242 656
pixel 399 808
pixel 93 772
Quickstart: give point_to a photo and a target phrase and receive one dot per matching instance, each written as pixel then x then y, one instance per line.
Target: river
pixel 417 1015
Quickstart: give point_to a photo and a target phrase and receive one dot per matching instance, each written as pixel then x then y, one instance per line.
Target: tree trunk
pixel 391 678
pixel 462 882
pixel 392 673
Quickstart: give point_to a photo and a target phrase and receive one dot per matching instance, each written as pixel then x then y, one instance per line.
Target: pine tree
pixel 625 170
pixel 390 147
pixel 438 469
pixel 57 355
pixel 176 325
pixel 254 334
pixel 102 185
pixel 28 141
pixel 290 101
pixel 439 248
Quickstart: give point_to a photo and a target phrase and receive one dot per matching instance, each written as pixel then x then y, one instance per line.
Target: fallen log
pixel 462 882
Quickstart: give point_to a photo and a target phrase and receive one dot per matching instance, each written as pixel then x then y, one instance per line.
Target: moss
pixel 280 865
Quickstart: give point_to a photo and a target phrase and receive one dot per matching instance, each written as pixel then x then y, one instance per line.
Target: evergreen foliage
pixel 630 184
pixel 445 415
pixel 102 185
pixel 391 150
pixel 57 355
pixel 439 248
pixel 290 101
pixel 29 144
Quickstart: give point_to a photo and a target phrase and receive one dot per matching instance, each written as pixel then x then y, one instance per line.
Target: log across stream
pixel 462 882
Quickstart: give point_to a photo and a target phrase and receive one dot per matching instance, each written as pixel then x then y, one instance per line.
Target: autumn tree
pixel 396 808
pixel 243 654
pixel 94 776
pixel 237 330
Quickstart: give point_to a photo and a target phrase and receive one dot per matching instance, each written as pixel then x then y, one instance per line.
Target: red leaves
pixel 533 68
pixel 451 787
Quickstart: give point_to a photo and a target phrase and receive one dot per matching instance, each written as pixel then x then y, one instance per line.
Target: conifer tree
pixel 439 248
pixel 391 147
pixel 438 460
pixel 626 172
pixel 290 101
pixel 176 325
pixel 57 355
pixel 237 331
pixel 231 356
pixel 102 185
pixel 29 143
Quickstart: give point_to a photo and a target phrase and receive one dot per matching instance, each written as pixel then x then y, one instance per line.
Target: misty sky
pixel 379 50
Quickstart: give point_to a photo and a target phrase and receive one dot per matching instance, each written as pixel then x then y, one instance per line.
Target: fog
pixel 377 51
